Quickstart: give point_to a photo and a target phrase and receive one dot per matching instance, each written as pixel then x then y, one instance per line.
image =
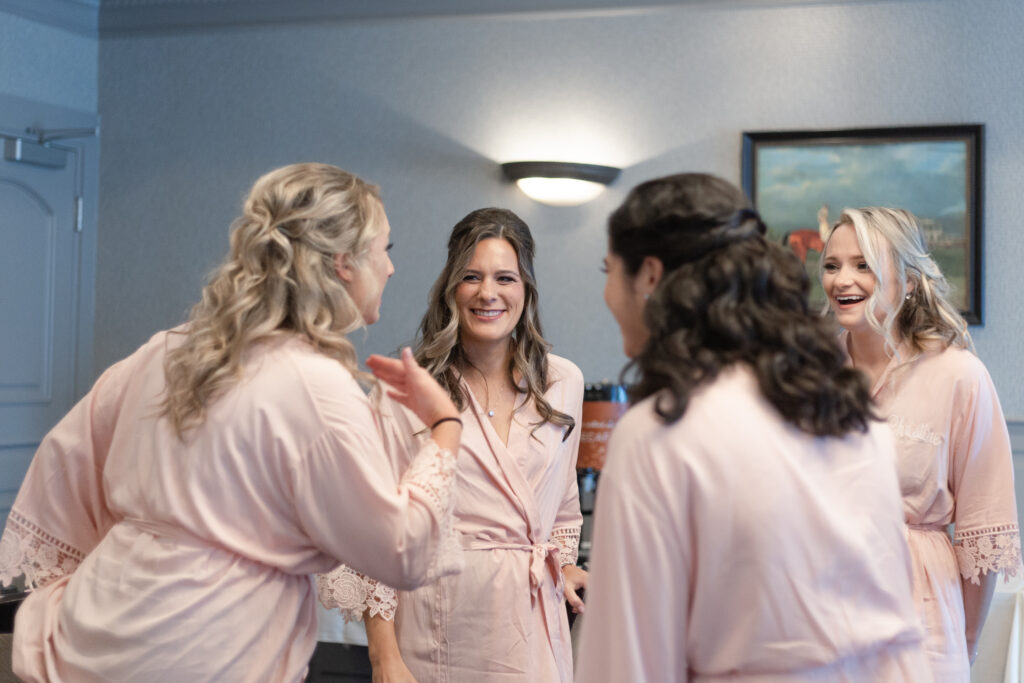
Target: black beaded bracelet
pixel 445 419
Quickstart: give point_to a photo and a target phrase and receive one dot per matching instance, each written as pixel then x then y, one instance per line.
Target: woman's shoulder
pixel 161 342
pixel 151 351
pixel 952 363
pixel 560 368
pixel 714 400
pixel 734 391
pixel 639 420
pixel 293 365
pixel 711 409
pixel 711 415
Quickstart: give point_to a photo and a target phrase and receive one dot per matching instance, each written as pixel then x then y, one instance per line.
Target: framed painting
pixel 800 181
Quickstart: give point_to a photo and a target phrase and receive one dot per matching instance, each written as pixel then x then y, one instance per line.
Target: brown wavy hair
pixel 278 278
pixel 729 296
pixel 438 347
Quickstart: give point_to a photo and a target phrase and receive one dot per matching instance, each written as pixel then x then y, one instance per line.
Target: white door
pixel 41 278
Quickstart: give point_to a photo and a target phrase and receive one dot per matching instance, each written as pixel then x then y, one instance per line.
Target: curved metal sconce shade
pixel 560 183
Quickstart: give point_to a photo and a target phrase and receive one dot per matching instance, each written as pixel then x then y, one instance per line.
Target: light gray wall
pixel 42 63
pixel 1017 445
pixel 427 108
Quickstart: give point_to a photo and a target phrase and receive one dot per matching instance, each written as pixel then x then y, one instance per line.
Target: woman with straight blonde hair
pixel 952 446
pixel 502 619
pixel 169 524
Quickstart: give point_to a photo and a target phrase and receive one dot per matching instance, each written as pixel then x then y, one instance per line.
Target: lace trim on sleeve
pixel 27 549
pixel 355 594
pixel 432 473
pixel 568 541
pixel 989 549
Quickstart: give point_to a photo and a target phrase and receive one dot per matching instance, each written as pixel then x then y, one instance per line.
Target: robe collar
pixel 504 454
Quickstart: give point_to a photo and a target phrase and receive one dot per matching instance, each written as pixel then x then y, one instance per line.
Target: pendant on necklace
pixel 490 413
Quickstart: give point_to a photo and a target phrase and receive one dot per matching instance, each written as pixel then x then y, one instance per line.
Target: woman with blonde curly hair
pixel 503 617
pixel 170 523
pixel 952 445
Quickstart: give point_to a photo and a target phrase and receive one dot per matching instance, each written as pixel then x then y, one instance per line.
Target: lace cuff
pixel 432 473
pixel 568 541
pixel 355 594
pixel 990 549
pixel 26 549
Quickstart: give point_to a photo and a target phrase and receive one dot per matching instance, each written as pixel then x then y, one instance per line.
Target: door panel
pixel 38 309
pixel 28 260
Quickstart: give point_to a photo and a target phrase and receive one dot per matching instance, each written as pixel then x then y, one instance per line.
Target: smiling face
pixel 849 282
pixel 490 295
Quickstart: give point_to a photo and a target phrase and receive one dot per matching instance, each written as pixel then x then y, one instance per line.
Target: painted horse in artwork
pixel 805 240
pixel 802 241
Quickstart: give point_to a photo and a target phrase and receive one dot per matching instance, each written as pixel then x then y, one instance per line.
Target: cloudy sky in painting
pixel 926 178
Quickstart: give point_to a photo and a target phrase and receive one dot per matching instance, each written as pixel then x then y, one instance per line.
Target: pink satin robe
pixel 502 619
pixel 158 560
pixel 731 546
pixel 955 467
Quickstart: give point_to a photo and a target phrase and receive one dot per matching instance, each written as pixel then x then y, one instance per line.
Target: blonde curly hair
pixel 278 278
pixel 925 318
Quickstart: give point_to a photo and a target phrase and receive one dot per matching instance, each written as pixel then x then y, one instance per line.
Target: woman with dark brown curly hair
pixel 748 524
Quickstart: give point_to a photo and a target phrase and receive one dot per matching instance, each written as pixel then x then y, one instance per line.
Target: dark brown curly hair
pixel 729 296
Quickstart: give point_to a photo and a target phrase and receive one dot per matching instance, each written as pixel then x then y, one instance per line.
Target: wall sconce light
pixel 560 183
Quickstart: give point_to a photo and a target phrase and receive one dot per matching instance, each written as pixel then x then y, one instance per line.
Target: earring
pixel 907 297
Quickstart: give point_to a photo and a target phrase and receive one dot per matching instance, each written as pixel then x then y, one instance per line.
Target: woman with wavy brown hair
pixel 170 522
pixel 748 524
pixel 502 619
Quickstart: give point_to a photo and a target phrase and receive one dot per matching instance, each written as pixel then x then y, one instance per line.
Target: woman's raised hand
pixel 413 387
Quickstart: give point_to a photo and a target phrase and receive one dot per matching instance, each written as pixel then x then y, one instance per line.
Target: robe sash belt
pixel 542 556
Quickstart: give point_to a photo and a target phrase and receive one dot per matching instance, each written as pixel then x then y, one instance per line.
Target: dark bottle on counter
pixel 603 404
